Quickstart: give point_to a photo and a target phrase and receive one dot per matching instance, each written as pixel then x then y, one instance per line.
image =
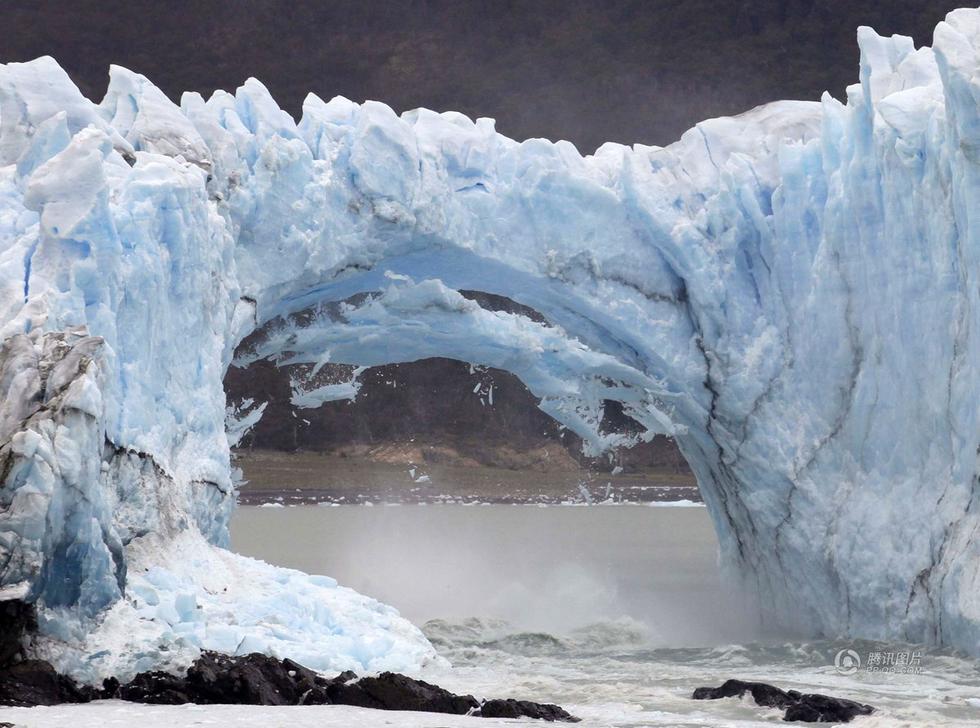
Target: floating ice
pixel 682 503
pixel 791 293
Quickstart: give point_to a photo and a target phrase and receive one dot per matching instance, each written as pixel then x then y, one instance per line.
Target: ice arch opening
pixel 790 293
pixel 429 411
pixel 411 321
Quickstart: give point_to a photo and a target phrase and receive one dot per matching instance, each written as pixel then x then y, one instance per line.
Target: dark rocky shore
pixel 799 707
pixel 255 679
pixel 305 478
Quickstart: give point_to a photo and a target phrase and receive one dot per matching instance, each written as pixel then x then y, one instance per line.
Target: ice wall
pixel 791 293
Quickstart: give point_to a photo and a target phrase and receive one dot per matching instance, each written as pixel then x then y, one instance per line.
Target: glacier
pixel 791 294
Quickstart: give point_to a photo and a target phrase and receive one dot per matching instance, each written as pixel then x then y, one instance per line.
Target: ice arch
pixel 791 293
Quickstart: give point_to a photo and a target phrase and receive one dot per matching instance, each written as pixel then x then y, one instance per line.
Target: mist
pixel 552 570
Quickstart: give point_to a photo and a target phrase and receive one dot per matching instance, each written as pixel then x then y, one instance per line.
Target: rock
pixel 261 680
pixel 763 694
pixel 391 691
pixel 214 678
pixel 252 680
pixel 808 707
pixel 159 688
pixel 511 708
pixel 816 708
pixel 17 619
pixel 35 682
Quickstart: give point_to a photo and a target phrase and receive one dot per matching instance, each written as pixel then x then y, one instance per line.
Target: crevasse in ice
pixel 791 293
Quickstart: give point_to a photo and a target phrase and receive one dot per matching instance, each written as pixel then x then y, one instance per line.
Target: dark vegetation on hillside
pixel 427 412
pixel 584 70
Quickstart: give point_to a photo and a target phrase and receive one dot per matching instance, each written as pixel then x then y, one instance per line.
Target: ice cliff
pixel 791 293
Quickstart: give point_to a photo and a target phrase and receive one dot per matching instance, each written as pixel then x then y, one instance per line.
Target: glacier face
pixel 791 293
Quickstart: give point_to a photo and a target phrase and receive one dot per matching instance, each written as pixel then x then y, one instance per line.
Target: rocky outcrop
pixel 35 682
pixel 261 680
pixel 391 691
pixel 803 707
pixel 511 708
pixel 17 620
pixel 220 679
pixel 255 679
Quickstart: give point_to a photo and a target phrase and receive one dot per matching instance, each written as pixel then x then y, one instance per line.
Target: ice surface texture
pixel 791 293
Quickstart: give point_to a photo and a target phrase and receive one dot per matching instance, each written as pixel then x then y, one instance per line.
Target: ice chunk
pixel 150 121
pixel 215 600
pixel 31 94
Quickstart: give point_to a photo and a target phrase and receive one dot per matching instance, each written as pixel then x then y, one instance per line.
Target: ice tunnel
pixel 792 294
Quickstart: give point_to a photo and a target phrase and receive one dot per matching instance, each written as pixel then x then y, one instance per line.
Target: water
pixel 616 613
pixel 540 569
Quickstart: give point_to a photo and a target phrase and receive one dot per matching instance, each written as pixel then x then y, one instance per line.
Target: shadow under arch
pixel 434 411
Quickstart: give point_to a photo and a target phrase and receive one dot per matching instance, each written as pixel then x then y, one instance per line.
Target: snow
pixel 791 294
pixel 114 713
pixel 680 503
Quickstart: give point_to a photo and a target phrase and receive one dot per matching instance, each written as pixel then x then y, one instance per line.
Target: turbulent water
pixel 618 622
pixel 609 676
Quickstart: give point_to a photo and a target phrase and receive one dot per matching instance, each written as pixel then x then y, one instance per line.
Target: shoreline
pixel 303 478
pixel 679 497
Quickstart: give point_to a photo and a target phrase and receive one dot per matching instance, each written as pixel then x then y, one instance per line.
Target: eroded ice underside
pixel 791 293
